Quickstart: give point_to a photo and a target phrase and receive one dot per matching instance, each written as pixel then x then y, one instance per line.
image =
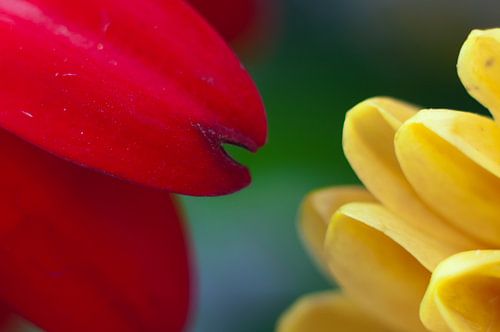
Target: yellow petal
pixel 464 294
pixel 452 159
pixel 376 272
pixel 479 68
pixel 369 132
pixel 327 312
pixel 317 210
pixel 426 249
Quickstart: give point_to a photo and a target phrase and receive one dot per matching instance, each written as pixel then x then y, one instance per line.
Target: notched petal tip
pixel 231 175
pixel 222 135
pixel 127 97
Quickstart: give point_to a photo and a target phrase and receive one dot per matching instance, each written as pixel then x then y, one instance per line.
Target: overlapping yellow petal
pixel 425 248
pixel 375 271
pixel 317 210
pixel 436 174
pixel 369 132
pixel 452 159
pixel 464 294
pixel 479 68
pixel 327 312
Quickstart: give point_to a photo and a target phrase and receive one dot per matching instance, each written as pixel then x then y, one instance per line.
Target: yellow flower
pixel 419 248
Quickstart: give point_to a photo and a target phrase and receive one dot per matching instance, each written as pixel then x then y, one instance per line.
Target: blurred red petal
pixel 81 251
pixel 232 19
pixel 11 322
pixel 5 316
pixel 143 91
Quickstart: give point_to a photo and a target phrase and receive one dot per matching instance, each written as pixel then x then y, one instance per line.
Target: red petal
pixel 232 19
pixel 138 89
pixel 81 251
pixel 10 322
pixel 5 316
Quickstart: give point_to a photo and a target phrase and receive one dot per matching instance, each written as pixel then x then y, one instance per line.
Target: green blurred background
pixel 322 58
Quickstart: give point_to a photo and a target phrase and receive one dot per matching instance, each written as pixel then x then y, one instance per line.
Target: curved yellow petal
pixel 369 132
pixel 452 159
pixel 479 68
pixel 464 294
pixel 327 312
pixel 378 274
pixel 426 249
pixel 317 210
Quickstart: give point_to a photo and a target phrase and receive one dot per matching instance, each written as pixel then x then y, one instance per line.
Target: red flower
pixel 140 90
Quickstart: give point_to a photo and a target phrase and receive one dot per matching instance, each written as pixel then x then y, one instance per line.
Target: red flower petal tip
pixel 136 89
